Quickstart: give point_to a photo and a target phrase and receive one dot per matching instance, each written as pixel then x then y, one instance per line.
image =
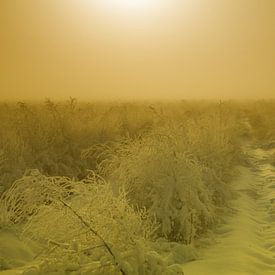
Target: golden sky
pixel 109 49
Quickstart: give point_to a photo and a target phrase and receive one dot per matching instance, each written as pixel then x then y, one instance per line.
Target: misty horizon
pixel 188 49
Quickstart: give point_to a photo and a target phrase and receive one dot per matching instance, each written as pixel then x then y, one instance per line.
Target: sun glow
pixel 131 5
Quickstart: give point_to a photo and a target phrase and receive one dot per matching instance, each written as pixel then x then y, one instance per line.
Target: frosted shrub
pixel 80 225
pixel 178 172
pixel 261 116
pixel 216 143
pixel 159 173
pixel 50 136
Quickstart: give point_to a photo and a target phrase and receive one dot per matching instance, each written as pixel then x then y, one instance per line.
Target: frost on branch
pixel 80 225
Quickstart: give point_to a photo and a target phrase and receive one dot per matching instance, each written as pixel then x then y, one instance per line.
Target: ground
pixel 245 244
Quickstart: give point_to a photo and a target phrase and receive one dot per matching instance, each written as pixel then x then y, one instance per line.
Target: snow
pixel 246 243
pixel 13 253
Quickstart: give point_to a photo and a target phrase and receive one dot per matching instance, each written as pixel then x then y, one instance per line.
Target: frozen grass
pixel 162 179
pixel 79 225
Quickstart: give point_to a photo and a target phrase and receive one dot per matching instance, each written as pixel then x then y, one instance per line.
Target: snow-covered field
pixel 243 244
pixel 182 188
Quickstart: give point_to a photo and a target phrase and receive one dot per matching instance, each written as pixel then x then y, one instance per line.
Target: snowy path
pixel 246 244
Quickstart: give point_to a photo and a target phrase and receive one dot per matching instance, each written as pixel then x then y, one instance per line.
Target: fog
pixel 198 49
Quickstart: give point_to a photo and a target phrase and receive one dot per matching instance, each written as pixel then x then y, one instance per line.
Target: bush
pixel 50 136
pixel 261 116
pixel 80 225
pixel 178 172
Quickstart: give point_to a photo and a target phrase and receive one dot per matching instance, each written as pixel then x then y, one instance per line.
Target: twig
pixel 92 247
pixel 94 232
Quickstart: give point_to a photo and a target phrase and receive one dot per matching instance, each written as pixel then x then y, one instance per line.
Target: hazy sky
pixel 137 49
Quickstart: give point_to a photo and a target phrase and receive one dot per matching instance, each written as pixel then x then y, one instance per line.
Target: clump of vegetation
pixel 162 179
pixel 80 225
pixel 178 172
pixel 261 116
pixel 50 136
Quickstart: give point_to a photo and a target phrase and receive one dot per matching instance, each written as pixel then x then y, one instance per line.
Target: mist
pixel 181 50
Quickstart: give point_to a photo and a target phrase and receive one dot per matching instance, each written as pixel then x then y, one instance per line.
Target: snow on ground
pixel 246 243
pixel 14 253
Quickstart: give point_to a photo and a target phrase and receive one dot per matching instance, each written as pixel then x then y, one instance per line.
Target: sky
pixel 137 49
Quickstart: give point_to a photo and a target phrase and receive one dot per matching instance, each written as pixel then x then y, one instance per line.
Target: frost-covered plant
pixel 50 135
pixel 261 117
pixel 215 140
pixel 80 225
pixel 177 172
pixel 159 173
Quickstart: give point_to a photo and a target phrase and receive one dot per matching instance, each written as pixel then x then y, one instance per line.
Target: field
pixel 137 187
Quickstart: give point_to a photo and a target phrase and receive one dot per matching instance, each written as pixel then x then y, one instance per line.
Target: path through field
pixel 246 243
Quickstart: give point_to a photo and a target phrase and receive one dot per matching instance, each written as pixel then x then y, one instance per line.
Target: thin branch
pixel 92 247
pixel 94 232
